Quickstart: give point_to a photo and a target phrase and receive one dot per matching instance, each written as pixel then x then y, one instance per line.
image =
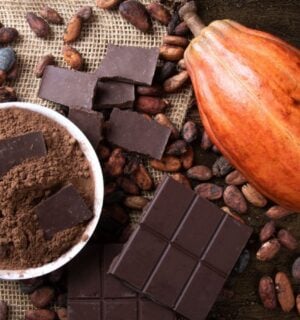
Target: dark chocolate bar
pixel 93 294
pixel 15 150
pixel 63 210
pixel 68 87
pixel 182 252
pixel 132 131
pixel 129 64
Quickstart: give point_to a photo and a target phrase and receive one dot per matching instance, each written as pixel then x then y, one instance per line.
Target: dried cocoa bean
pixel 235 178
pixel 72 57
pixel 201 173
pixel 3 310
pixel 187 159
pixel 153 91
pixel 221 167
pixel 284 292
pixel 209 191
pixel 181 65
pixel 13 73
pixel 177 148
pixel 107 4
pixel 253 196
pixel 206 143
pixel 151 105
pixel 171 53
pixel 176 41
pixel 115 164
pixel 277 212
pixel 267 231
pixel 132 166
pixel 73 29
pixel 7 59
pixel 28 286
pixel 42 297
pixel 85 13
pixel 268 250
pixel 110 188
pixel 45 61
pixel 168 70
pixel 7 94
pixel 8 35
pixel 233 215
pixel 159 12
pixel 136 202
pixel 181 29
pixel 176 82
pixel 38 25
pixel 287 239
pixel 165 121
pixel 298 303
pixel 142 178
pixel 128 185
pixel 179 177
pixel 174 22
pixel 103 152
pixel 51 15
pixel 62 313
pixel 296 269
pixel 136 13
pixel 114 197
pixel 234 199
pixel 189 131
pixel 267 292
pixel 167 164
pixel 40 314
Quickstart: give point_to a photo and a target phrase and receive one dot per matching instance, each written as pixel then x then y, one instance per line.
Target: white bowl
pixel 95 168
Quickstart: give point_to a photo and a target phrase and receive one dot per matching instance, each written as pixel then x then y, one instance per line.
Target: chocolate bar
pixel 90 123
pixel 132 131
pixel 182 252
pixel 129 64
pixel 67 87
pixel 93 294
pixel 15 150
pixel 63 210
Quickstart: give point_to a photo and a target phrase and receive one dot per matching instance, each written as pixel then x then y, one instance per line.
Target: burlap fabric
pixel 105 27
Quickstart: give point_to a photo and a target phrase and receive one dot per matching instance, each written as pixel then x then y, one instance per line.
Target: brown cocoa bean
pixel 284 292
pixel 176 82
pixel 287 239
pixel 171 53
pixel 298 303
pixel 13 72
pixel 181 29
pixel 296 269
pixel 179 177
pixel 142 178
pixel 187 159
pixel 177 148
pixel 165 121
pixel 40 314
pixel 201 173
pixel 72 57
pixel 115 164
pixel 3 310
pixel 209 191
pixel 234 199
pixel 7 94
pixel 45 61
pixel 268 250
pixel 136 14
pixel 73 29
pixel 107 4
pixel 62 313
pixel 151 105
pixel 221 167
pixel 267 231
pixel 206 143
pixel 176 41
pixel 51 15
pixel 110 188
pixel 267 292
pixel 181 65
pixel 277 212
pixel 233 215
pixel 189 131
pixel 167 70
pixel 253 196
pixel 128 185
pixel 7 60
pixel 235 178
pixel 42 297
pixel 153 91
pixel 103 152
pixel 38 25
pixel 132 166
pixel 167 164
pixel 85 13
pixel 136 202
pixel 8 35
pixel 159 12
pixel 174 22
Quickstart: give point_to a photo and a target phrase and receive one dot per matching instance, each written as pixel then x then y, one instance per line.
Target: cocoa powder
pixel 22 243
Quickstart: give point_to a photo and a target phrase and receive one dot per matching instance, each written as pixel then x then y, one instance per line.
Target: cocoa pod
pixel 51 15
pixel 177 148
pixel 40 314
pixel 171 53
pixel 115 164
pixel 267 231
pixel 38 25
pixel 7 94
pixel 176 41
pixel 174 22
pixel 165 121
pixel 136 14
pixel 235 178
pixel 253 196
pixel 298 303
pixel 233 215
pixel 268 250
pixel 181 29
pixel 284 292
pixel 128 185
pixel 7 59
pixel 13 73
pixel 221 167
pixel 159 12
pixel 42 297
pixel 85 13
pixel 167 164
pixel 287 240
pixel 151 105
pixel 187 159
pixel 103 152
pixel 73 29
pixel 176 82
pixel 45 61
pixel 189 131
pixel 72 57
pixel 179 177
pixel 153 91
pixel 296 269
pixel 3 310
pixel 62 313
pixel 167 70
pixel 267 292
pixel 181 65
pixel 209 191
pixel 136 202
pixel 206 143
pixel 277 212
pixel 234 199
pixel 8 35
pixel 201 173
pixel 142 178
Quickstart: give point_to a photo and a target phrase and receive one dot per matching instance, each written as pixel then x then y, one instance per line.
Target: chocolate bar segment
pixel 68 87
pixel 15 150
pixel 129 64
pixel 175 255
pixel 132 131
pixel 63 210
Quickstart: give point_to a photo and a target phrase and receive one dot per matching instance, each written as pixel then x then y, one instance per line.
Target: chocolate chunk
pixel 93 294
pixel 63 210
pixel 134 132
pixel 129 64
pixel 15 150
pixel 189 236
pixel 68 87
pixel 112 94
pixel 90 122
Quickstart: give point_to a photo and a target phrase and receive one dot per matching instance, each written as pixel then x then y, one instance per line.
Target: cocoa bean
pixel 85 13
pixel 7 94
pixel 7 59
pixel 114 197
pixel 233 215
pixel 132 166
pixel 38 25
pixel 103 152
pixel 142 178
pixel 136 202
pixel 253 196
pixel 110 188
pixel 115 164
pixel 45 61
pixel 8 35
pixel 13 72
pixel 235 178
pixel 42 297
pixel 40 314
pixel 181 29
pixel 151 105
pixel 165 121
pixel 277 212
pixel 62 313
pixel 206 143
pixel 267 292
pixel 181 65
pixel 73 29
pixel 189 131
pixel 167 164
pixel 174 22
pixel 176 82
pixel 296 269
pixel 51 15
pixel 177 148
pixel 179 177
pixel 107 4
pixel 298 303
pixel 28 286
pixel 287 239
pixel 72 57
pixel 221 167
pixel 128 185
pixel 284 292
pixel 168 70
pixel 159 12
pixel 187 159
pixel 201 173
pixel 234 199
pixel 136 13
pixel 209 191
pixel 176 41
pixel 154 90
pixel 171 53
pixel 268 250
pixel 3 310
pixel 267 231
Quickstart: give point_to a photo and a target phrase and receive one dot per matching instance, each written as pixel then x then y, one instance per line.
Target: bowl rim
pixel 95 167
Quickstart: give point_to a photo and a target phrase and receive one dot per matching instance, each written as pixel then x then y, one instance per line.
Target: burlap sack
pixel 105 27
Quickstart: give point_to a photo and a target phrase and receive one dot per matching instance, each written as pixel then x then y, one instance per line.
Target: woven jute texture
pixel 105 27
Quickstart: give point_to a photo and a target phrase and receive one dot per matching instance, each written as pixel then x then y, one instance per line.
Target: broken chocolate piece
pixel 132 131
pixel 63 210
pixel 129 64
pixel 15 150
pixel 68 87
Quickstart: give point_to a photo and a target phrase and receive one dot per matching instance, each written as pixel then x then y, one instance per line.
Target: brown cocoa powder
pixel 22 243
